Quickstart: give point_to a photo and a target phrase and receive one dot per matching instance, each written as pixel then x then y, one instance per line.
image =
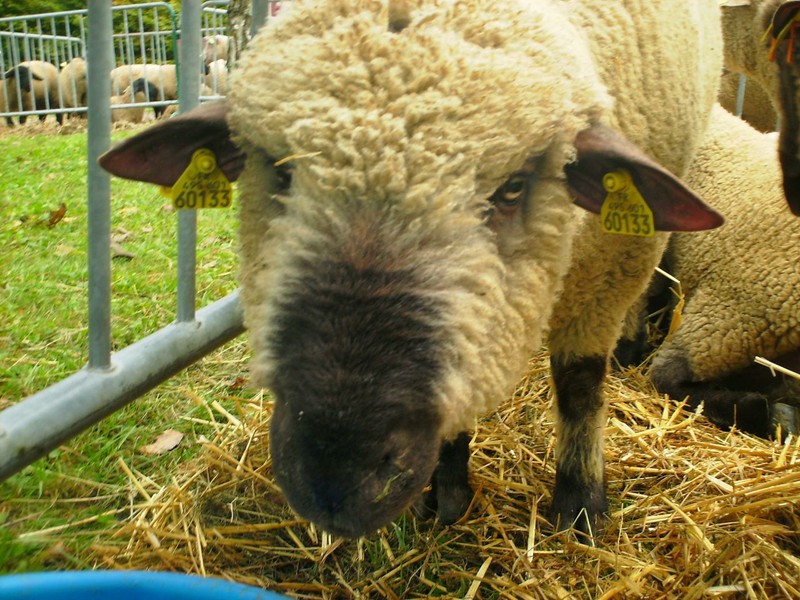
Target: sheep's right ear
pixel 161 153
pixel 783 16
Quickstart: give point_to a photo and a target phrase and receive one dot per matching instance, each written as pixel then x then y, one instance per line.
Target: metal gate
pixel 40 423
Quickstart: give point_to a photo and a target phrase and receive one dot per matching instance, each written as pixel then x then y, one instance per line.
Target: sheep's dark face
pixel 355 431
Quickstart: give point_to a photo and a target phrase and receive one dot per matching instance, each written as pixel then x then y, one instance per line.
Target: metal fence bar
pixel 40 423
pixel 100 52
pixel 189 90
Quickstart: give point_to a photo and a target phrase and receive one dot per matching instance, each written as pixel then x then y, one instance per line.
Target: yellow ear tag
pixel 201 185
pixel 624 211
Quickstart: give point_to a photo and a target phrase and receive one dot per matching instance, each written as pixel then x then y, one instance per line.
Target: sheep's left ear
pixel 601 150
pixel 784 14
pixel 161 153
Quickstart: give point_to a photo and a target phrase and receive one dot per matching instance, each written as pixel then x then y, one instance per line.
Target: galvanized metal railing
pixel 40 423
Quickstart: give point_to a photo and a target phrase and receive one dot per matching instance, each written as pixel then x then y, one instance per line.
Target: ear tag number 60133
pixel 201 185
pixel 624 211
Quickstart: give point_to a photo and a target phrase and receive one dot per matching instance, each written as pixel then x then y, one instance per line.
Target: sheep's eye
pixel 284 175
pixel 514 189
pixel 511 193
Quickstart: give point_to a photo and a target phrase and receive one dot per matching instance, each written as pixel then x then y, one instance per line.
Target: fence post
pixel 260 11
pixel 189 90
pixel 100 53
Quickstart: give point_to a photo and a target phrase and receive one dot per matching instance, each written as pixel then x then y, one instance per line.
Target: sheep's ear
pixel 161 153
pixel 784 15
pixel 601 150
pixel 789 140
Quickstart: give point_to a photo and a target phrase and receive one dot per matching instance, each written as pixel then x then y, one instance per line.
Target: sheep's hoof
pixel 580 508
pixel 450 494
pixel 449 502
pixel 785 419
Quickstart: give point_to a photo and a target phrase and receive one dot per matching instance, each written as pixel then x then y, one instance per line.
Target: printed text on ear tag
pixel 624 211
pixel 202 184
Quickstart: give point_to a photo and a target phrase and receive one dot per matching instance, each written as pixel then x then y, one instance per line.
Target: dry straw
pixel 695 513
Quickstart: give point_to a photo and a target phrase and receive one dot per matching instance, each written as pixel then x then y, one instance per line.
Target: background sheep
pixel 744 24
pixel 73 83
pixel 163 77
pixel 400 270
pixel 741 287
pixel 9 96
pixel 216 47
pixel 757 108
pixel 37 82
pixel 130 114
pixel 216 79
pixel 149 92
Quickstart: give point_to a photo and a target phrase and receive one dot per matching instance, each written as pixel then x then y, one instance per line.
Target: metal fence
pixel 43 69
pixel 40 423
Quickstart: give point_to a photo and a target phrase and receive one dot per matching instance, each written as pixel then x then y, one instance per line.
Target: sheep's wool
pixel 742 281
pixel 400 119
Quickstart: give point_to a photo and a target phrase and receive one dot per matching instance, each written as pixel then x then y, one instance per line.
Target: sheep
pixel 150 93
pixel 215 47
pixel 217 77
pixel 130 114
pixel 8 97
pixel 757 108
pixel 73 83
pixel 37 82
pixel 163 77
pixel 742 295
pixel 418 239
pixel 169 112
pixel 744 23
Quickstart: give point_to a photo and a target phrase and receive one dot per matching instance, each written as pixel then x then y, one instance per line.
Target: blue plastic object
pixel 125 585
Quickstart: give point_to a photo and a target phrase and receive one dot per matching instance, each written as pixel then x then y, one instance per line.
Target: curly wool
pixel 742 281
pixel 402 118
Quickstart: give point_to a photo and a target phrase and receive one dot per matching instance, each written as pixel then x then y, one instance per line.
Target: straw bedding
pixel 700 513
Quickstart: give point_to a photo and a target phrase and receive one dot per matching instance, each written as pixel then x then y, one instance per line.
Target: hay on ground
pixel 695 513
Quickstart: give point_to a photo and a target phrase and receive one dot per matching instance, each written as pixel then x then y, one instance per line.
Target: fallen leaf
pixel 117 251
pixel 55 216
pixel 237 383
pixel 165 442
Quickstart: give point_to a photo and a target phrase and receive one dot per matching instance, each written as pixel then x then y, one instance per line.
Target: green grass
pixel 43 336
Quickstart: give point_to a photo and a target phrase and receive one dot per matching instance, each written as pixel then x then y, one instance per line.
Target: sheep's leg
pixel 450 494
pixel 750 411
pixel 579 498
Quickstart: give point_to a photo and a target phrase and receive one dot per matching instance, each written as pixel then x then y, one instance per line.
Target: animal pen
pixel 40 423
pixel 705 514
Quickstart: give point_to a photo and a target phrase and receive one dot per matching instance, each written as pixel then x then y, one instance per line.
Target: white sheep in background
pixel 37 81
pixel 742 288
pixel 74 83
pixel 163 77
pixel 8 97
pixel 757 108
pixel 130 114
pixel 744 23
pixel 216 79
pixel 216 47
pixel 420 242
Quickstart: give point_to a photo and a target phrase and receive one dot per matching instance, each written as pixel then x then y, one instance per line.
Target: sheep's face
pixel 779 15
pixel 400 268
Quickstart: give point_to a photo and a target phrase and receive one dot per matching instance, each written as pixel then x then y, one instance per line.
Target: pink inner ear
pixel 161 153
